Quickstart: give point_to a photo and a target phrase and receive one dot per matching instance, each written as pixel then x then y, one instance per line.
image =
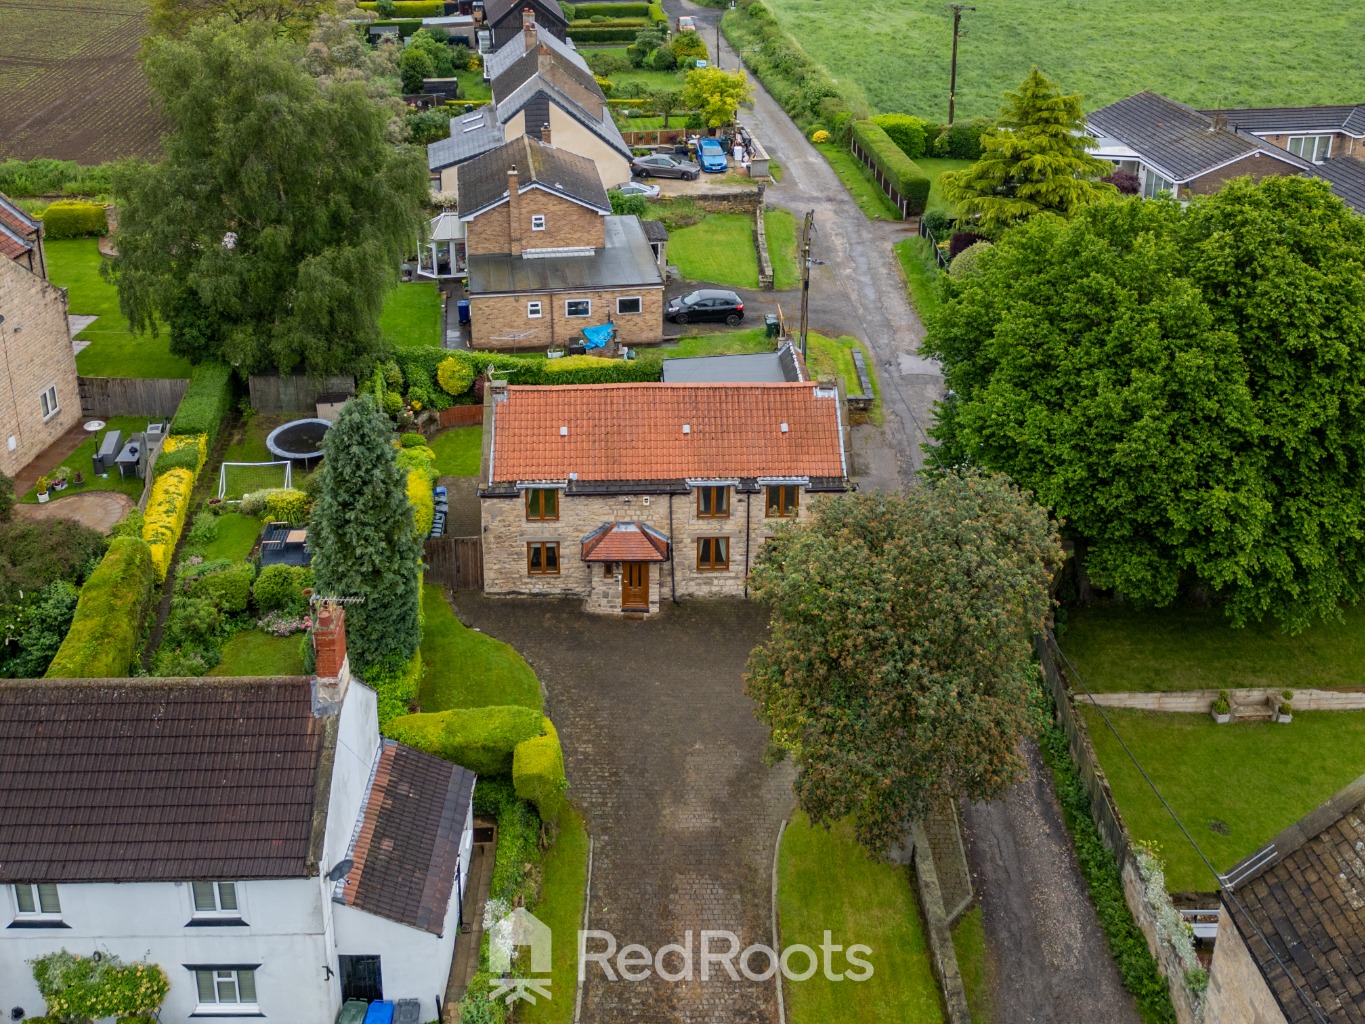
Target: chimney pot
pixel 545 133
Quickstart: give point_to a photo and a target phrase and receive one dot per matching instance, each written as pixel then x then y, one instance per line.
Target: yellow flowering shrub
pixel 199 442
pixel 421 499
pixel 165 517
pixel 820 136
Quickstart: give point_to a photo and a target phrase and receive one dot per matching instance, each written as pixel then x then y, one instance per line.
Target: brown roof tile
pixel 636 432
pixel 625 542
pixel 120 780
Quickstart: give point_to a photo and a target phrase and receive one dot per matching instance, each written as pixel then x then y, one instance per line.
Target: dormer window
pixel 537 222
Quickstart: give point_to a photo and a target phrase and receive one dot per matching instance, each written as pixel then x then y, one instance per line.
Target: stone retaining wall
pixel 1201 701
pixel 940 933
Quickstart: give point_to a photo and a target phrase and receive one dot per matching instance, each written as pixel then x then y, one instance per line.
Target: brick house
pixel 545 255
pixel 1317 134
pixel 631 495
pixel 503 19
pixel 1292 928
pixel 39 397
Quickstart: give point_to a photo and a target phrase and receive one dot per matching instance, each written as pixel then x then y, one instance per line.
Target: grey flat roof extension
pixel 753 368
pixel 626 261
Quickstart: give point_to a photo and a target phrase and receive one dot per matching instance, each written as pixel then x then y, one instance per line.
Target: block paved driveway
pixel 664 756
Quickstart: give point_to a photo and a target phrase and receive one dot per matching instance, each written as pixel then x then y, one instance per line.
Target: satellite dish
pixel 342 869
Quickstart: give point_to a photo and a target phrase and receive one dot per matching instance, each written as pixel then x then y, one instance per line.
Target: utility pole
pixel 805 277
pixel 957 10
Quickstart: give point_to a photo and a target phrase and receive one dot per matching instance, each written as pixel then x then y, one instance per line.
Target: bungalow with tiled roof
pixel 1314 133
pixel 632 495
pixel 254 837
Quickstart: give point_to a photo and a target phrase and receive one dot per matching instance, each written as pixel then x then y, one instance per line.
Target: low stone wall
pixel 1189 1007
pixel 735 200
pixel 1201 701
pixel 940 934
pixel 765 263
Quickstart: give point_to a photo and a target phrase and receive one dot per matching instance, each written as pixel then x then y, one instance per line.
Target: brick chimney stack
pixel 528 29
pixel 545 133
pixel 513 211
pixel 332 671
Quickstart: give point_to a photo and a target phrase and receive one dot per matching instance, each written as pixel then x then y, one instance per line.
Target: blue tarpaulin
pixel 598 337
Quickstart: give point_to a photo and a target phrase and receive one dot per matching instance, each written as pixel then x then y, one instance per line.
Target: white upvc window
pixel 627 305
pixel 537 222
pixel 48 399
pixel 37 901
pixel 533 311
pixel 577 307
pixel 215 899
pixel 1154 184
pixel 1316 148
pixel 226 990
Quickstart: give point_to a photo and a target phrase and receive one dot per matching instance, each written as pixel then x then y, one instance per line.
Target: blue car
pixel 711 155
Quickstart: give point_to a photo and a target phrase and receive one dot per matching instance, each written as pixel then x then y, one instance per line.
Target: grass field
pixel 458 451
pixel 1218 53
pixel 80 460
pixel 922 276
pixel 561 908
pixel 114 350
pixel 1234 786
pixel 254 653
pixel 1119 648
pixel 826 882
pixel 464 668
pixel 411 317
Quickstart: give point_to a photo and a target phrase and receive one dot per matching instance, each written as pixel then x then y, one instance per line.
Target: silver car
pixel 661 166
pixel 638 188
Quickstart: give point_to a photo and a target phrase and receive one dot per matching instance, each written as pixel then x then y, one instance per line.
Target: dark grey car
pixel 662 166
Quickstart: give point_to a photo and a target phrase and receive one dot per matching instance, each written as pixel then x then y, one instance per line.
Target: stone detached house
pixel 632 495
pixel 39 396
pixel 1291 936
pixel 256 838
pixel 545 255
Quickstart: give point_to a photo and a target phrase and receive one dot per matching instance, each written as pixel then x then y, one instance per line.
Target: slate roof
pixel 635 432
pixel 1299 905
pixel 655 230
pixel 1347 178
pixel 407 853
pixel 571 78
pixel 470 135
pixel 626 261
pixel 625 542
pixel 1177 140
pixel 536 94
pixel 483 181
pixel 1342 117
pixel 135 780
pixel 495 10
pixel 508 54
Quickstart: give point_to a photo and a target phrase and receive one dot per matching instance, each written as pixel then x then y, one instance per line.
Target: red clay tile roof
pixel 17 220
pixel 408 851
pixel 133 780
pixel 635 432
pixel 625 542
pixel 11 245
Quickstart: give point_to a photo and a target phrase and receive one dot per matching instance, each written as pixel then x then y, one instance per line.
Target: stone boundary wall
pixel 1201 701
pixel 765 263
pixel 1189 1007
pixel 735 200
pixel 940 933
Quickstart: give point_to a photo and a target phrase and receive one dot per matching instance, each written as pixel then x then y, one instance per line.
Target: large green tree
pixel 899 670
pixel 294 17
pixel 271 231
pixel 1033 161
pixel 1184 387
pixel 364 541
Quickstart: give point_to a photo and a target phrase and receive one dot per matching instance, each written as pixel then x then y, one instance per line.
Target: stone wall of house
pixel 35 344
pixel 507 228
pixel 1237 992
pixel 1257 167
pixel 506 533
pixel 502 321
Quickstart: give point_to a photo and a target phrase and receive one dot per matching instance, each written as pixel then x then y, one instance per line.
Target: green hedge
pixel 44 177
pixel 528 370
pixel 406 26
pixel 481 739
pixel 583 12
pixel 408 9
pixel 113 605
pixel 396 690
pixel 207 401
pixel 229 589
pixel 538 772
pixel 903 173
pixel 181 458
pixel 279 588
pixel 906 132
pixel 72 218
pixel 656 13
pixel 635 23
pixel 603 35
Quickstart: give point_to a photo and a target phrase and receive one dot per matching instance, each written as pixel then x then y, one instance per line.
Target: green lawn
pixel 114 351
pixel 922 276
pixel 1234 786
pixel 466 669
pixel 1119 648
pixel 236 537
pixel 458 451
pixel 654 81
pixel 561 908
pixel 80 460
pixel 897 52
pixel 933 167
pixel 472 85
pixel 255 653
pixel 724 343
pixel 780 227
pixel 826 882
pixel 969 943
pixel 412 316
pixel 865 192
pixel 719 250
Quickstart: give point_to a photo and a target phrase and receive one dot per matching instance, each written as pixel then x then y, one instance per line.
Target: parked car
pixel 638 188
pixel 706 304
pixel 712 156
pixel 661 166
pixel 686 24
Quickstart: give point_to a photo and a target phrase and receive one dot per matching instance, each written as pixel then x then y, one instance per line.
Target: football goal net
pixel 237 479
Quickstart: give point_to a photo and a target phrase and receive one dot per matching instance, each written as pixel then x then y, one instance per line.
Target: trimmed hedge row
pixel 902 172
pixel 72 218
pixel 538 772
pixel 112 608
pixel 583 12
pixel 182 451
pixel 917 137
pixel 408 9
pixel 395 692
pixel 603 35
pixel 656 13
pixel 525 370
pixel 207 401
pixel 406 26
pixel 635 23
pixel 164 519
pixel 484 740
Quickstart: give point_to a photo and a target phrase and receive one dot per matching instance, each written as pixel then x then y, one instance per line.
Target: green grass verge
pixel 923 279
pixel 458 451
pixel 896 52
pixel 463 668
pixel 933 167
pixel 473 87
pixel 254 653
pixel 236 537
pixel 412 316
pixel 780 228
pixel 1234 786
pixel 114 350
pixel 719 250
pixel 81 458
pixel 723 343
pixel 561 908
pixel 1180 648
pixel 969 943
pixel 865 192
pixel 827 882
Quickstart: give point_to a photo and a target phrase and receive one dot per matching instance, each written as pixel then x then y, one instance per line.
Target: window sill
pixel 54 922
pixel 245 1011
pixel 216 922
pixel 52 415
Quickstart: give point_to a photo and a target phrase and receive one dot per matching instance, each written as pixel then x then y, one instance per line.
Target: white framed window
pixel 37 901
pixel 225 990
pixel 577 307
pixel 533 310
pixel 215 899
pixel 1154 184
pixel 537 222
pixel 49 402
pixel 1133 167
pixel 1316 148
pixel 629 305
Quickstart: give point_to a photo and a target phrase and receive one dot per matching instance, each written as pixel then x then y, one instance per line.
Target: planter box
pixel 43 497
pixel 1221 719
pixel 1283 719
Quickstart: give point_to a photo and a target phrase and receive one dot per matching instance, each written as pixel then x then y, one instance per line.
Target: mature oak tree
pixel 1033 161
pixel 175 17
pixel 1185 388
pixel 899 670
pixel 271 231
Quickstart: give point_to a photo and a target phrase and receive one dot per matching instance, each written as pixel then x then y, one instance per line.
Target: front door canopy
pixel 625 542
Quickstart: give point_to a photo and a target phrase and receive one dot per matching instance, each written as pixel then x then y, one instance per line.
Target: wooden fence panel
pixel 455 562
pixel 462 415
pixel 295 393
pixel 102 397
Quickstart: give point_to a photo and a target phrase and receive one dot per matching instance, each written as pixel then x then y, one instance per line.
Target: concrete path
pixel 99 510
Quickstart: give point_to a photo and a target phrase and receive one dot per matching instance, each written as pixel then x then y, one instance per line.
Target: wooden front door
pixel 635 586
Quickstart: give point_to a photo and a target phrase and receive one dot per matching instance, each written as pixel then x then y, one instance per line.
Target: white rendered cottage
pixel 206 825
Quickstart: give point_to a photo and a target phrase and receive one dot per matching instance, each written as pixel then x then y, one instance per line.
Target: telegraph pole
pixel 805 277
pixel 957 10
